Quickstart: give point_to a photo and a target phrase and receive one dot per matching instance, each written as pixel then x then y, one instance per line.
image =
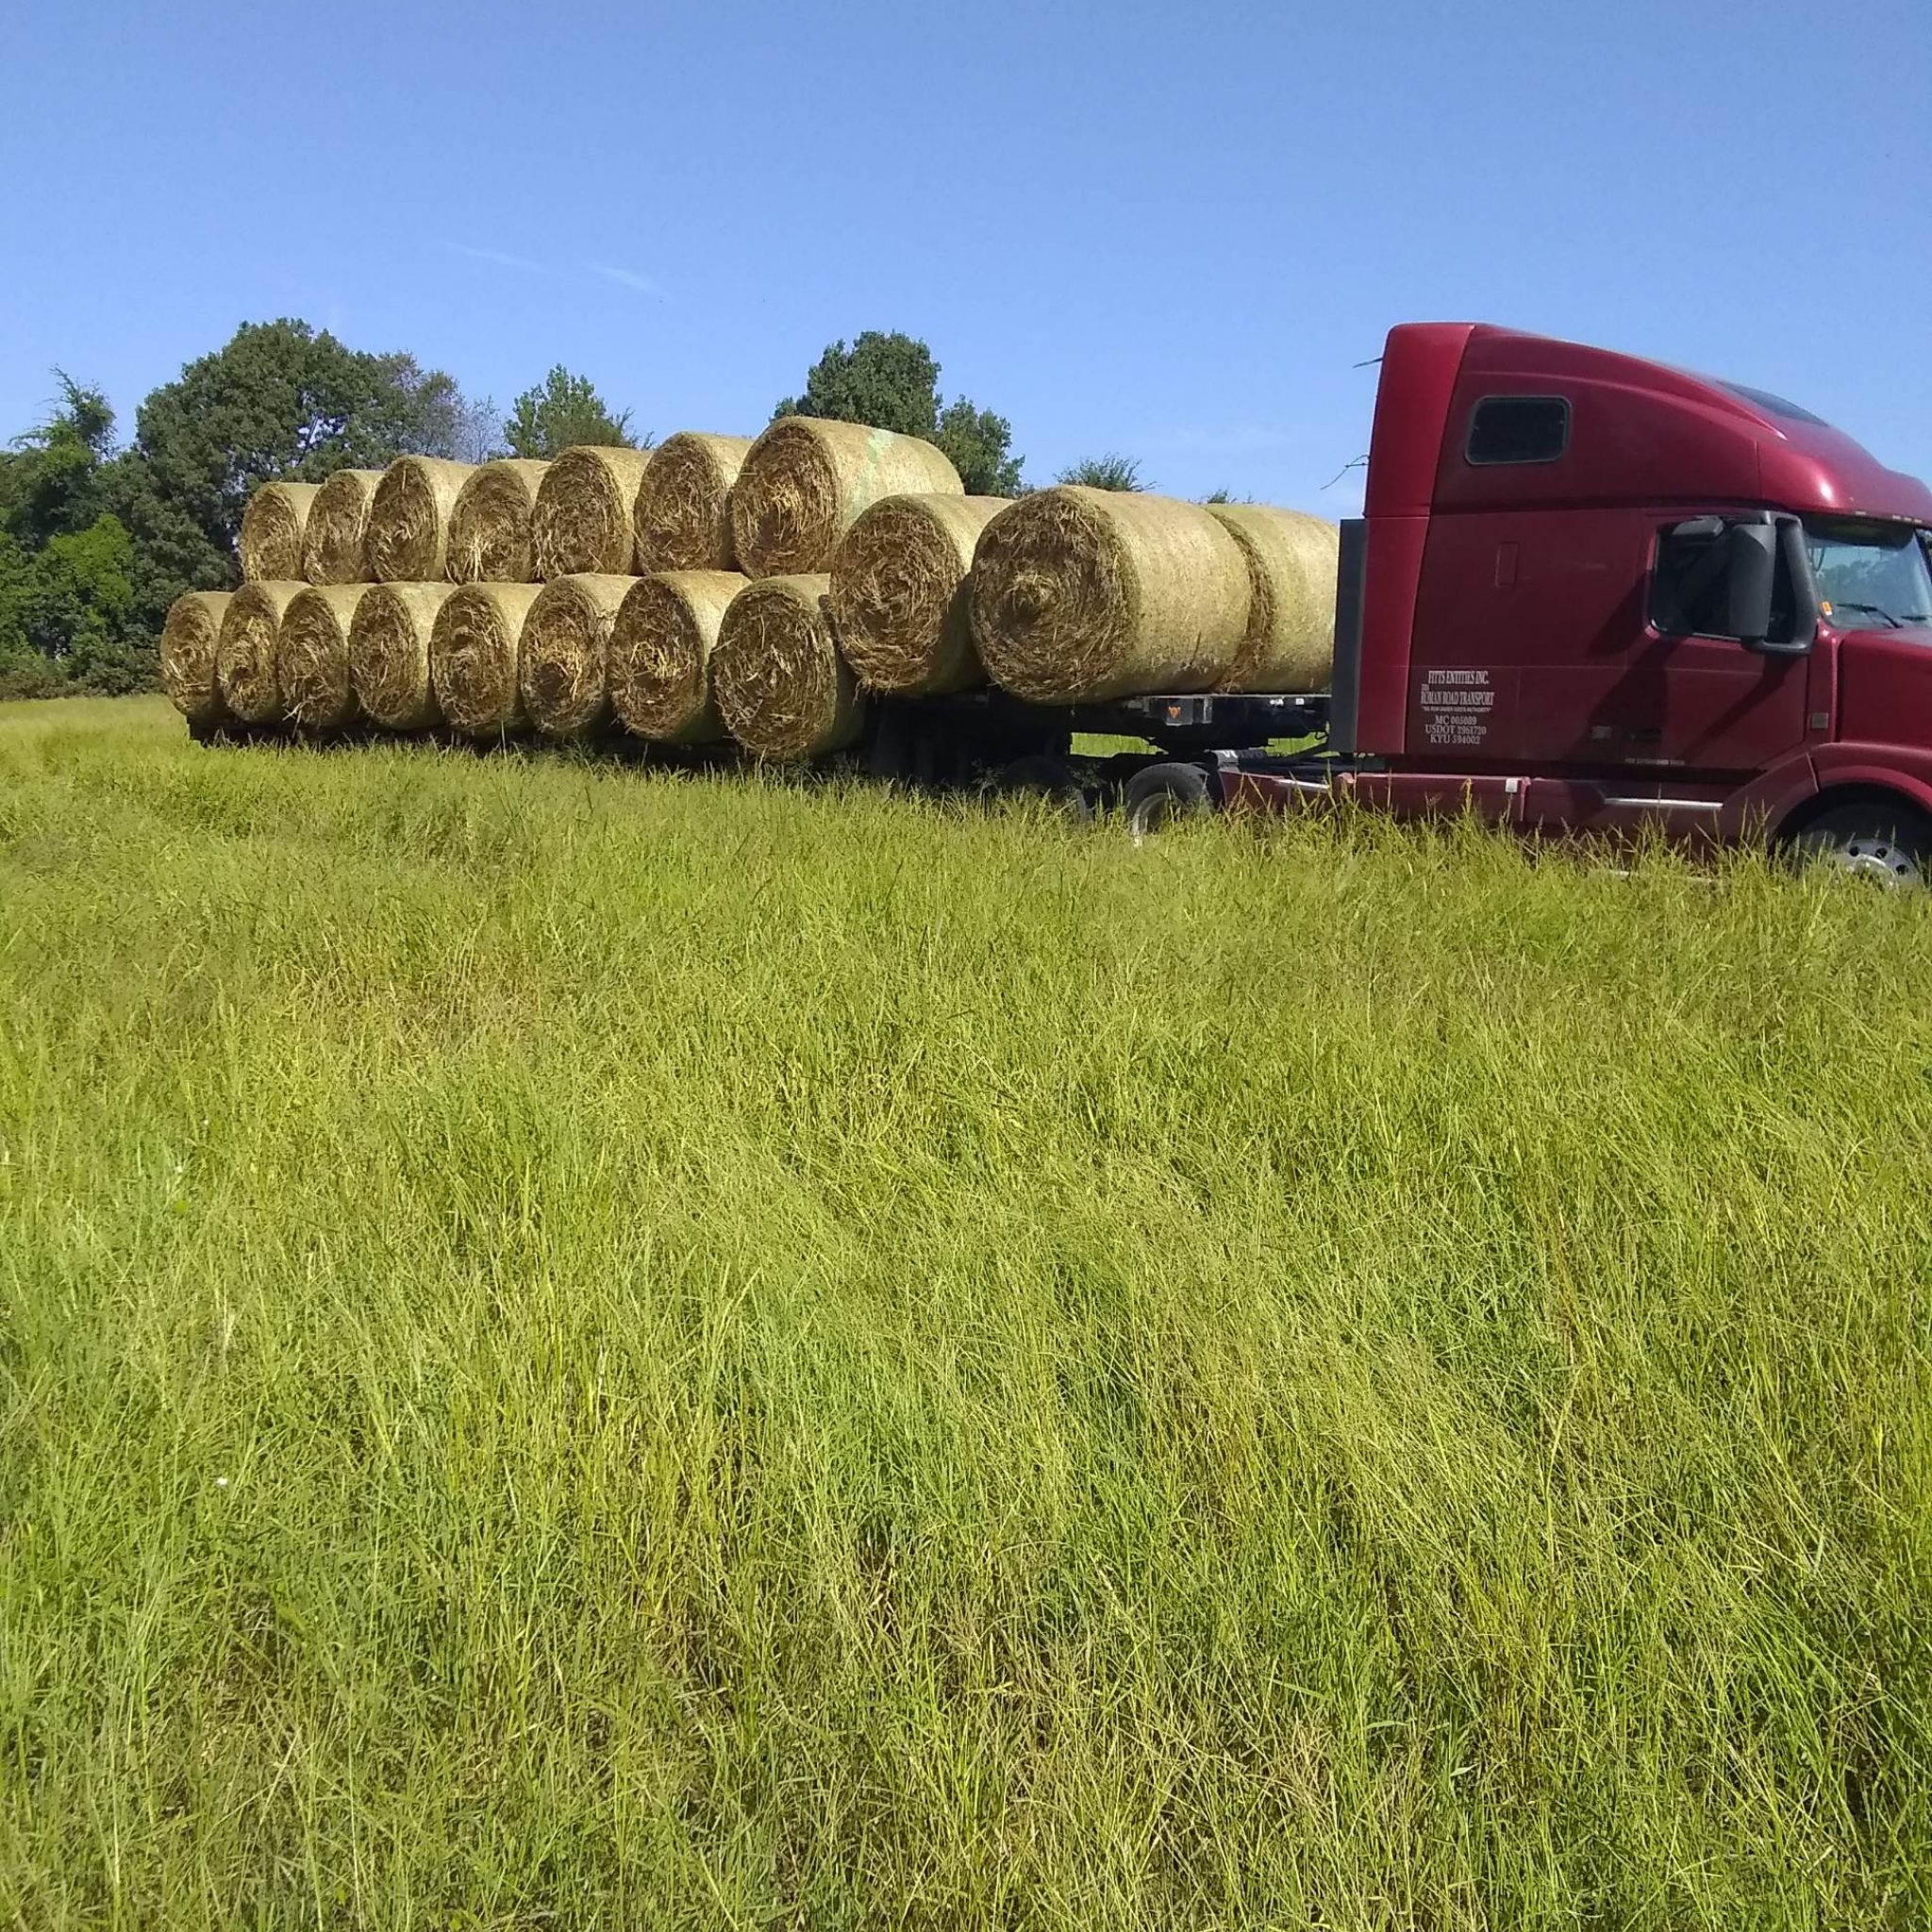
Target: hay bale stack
pixel 899 597
pixel 1293 560
pixel 333 549
pixel 684 504
pixel 312 656
pixel 389 655
pixel 273 528
pixel 474 651
pixel 1083 594
pixel 585 522
pixel 245 656
pixel 782 688
pixel 191 636
pixel 566 646
pixel 408 521
pixel 489 529
pixel 661 642
pixel 805 482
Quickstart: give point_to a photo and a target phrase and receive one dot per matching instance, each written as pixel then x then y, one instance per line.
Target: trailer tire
pixel 1047 777
pixel 1888 845
pixel 1162 794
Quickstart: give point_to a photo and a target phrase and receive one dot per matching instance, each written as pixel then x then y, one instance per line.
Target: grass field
pixel 584 1349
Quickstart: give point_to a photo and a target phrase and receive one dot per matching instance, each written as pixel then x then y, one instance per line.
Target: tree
pixel 891 381
pixel 564 412
pixel 50 478
pixel 1110 472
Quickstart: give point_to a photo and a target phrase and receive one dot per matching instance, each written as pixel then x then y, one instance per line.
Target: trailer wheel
pixel 1047 777
pixel 1164 795
pixel 1887 844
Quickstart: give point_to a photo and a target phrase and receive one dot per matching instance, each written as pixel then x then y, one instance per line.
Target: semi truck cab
pixel 1589 593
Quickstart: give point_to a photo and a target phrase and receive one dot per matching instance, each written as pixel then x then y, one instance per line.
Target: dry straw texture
pixel 1082 594
pixel 661 642
pixel 408 521
pixel 389 655
pixel 806 482
pixel 782 688
pixel 191 636
pixel 312 656
pixel 586 515
pixel 566 642
pixel 684 504
pixel 473 649
pixel 245 657
pixel 1292 563
pixel 335 551
pixel 273 528
pixel 899 596
pixel 490 539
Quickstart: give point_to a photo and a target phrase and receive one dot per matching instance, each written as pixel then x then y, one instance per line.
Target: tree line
pixel 98 537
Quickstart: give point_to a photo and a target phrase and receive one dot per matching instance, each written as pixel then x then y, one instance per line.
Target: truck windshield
pixel 1869 573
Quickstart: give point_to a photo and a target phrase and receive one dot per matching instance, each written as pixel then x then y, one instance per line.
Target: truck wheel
pixel 1051 778
pixel 1888 845
pixel 1162 794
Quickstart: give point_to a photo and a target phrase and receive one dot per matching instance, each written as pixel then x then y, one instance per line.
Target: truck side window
pixel 1518 429
pixel 1686 591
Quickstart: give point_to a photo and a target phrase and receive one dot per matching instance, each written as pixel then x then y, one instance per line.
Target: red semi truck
pixel 1587 594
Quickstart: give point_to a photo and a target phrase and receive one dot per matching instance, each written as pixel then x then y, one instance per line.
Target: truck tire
pixel 1048 777
pixel 1887 843
pixel 1162 794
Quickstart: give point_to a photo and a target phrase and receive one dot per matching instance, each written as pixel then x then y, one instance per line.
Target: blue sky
pixel 1170 231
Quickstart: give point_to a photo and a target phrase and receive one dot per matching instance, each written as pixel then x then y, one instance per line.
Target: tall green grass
pixel 584 1349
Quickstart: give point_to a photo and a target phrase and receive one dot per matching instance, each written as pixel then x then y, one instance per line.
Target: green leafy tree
pixel 1103 473
pixel 891 381
pixel 562 412
pixel 50 478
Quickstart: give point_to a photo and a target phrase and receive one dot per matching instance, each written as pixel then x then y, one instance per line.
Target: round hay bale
pixel 245 656
pixel 782 688
pixel 1082 594
pixel 389 654
pixel 312 656
pixel 805 482
pixel 899 597
pixel 684 503
pixel 272 528
pixel 333 550
pixel 408 521
pixel 474 649
pixel 661 642
pixel 585 521
pixel 1292 560
pixel 566 643
pixel 489 529
pixel 191 635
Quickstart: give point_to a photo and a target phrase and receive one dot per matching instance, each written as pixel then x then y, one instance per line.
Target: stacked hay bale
pixel 783 689
pixel 661 643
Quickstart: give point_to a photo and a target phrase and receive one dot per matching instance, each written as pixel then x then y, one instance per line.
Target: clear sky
pixel 1166 230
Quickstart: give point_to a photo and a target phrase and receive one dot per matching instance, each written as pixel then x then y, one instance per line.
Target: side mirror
pixel 1750 567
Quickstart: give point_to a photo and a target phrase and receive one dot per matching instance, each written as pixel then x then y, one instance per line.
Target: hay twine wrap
pixel 1293 564
pixel 408 521
pixel 1082 594
pixel 585 521
pixel 245 656
pixel 272 528
pixel 389 654
pixel 899 596
pixel 566 646
pixel 312 656
pixel 782 688
pixel 333 549
pixel 191 636
pixel 490 527
pixel 474 649
pixel 684 504
pixel 806 481
pixel 661 642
